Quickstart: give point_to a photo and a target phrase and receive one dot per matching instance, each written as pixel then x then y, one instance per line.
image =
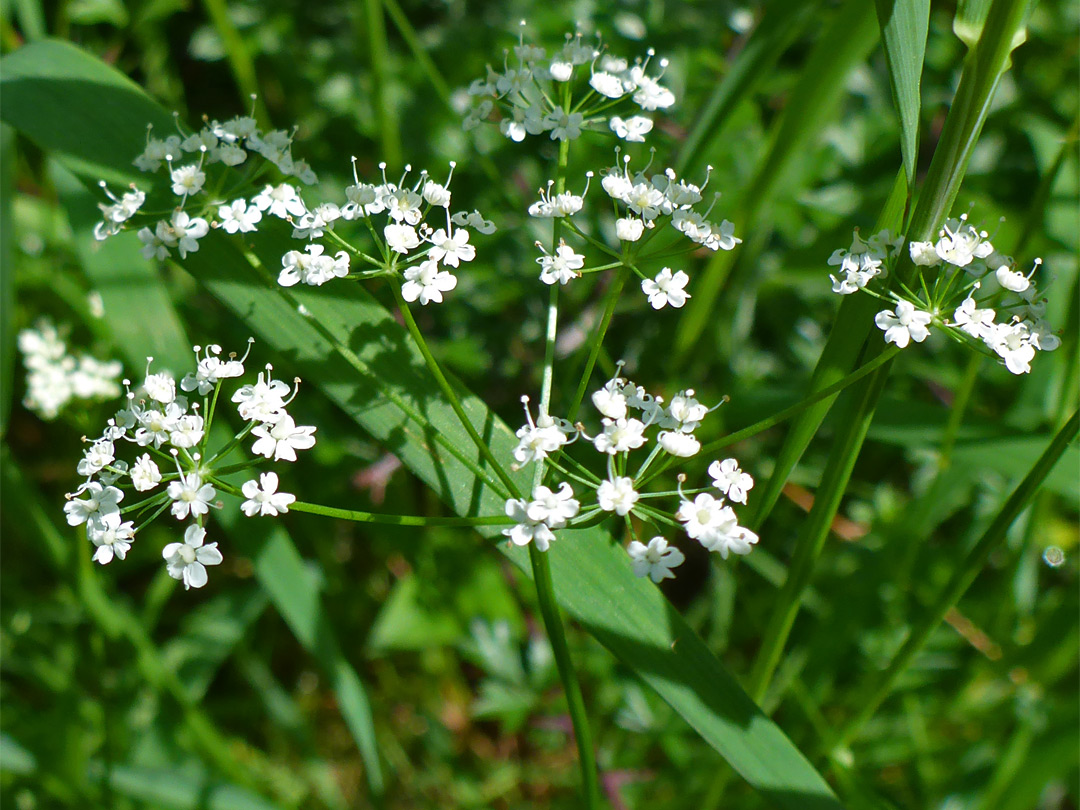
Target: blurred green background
pixel 223 698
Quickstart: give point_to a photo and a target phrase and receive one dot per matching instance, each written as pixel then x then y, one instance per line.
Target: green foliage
pixel 333 664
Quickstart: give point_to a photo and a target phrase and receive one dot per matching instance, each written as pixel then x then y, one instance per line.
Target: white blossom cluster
pixel 196 164
pixel 424 256
pixel 628 413
pixel 534 96
pixel 167 427
pixel 54 376
pixel 964 263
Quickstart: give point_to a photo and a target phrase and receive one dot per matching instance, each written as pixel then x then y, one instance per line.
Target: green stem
pixel 961 580
pixel 451 395
pixel 801 405
pixel 545 591
pixel 596 341
pixel 240 61
pixel 389 135
pixel 396 520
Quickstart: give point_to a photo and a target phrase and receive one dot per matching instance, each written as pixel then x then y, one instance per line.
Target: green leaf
pixel 7 278
pixel 356 353
pixel 904 25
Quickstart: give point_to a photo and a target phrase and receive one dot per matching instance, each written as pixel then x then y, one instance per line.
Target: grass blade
pixel 904 25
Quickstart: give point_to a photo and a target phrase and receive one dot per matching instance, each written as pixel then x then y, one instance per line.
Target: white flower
pixel 313 224
pixel 187 180
pixel 729 479
pixel 184 232
pixel 1012 280
pixel 903 325
pixel 100 501
pixel 403 205
pixel 715 526
pixel 1041 336
pixel 401 238
pixel 1012 342
pixel 536 441
pixel 610 400
pixel 160 387
pixel 265 500
pixel 187 432
pixel 650 95
pixel 975 322
pixel 261 402
pixel 645 200
pixel 620 435
pixel 426 282
pixel 629 229
pixel 210 370
pixel 961 243
pixel 475 221
pixel 280 201
pixel 436 194
pixel 313 267
pixel 633 129
pixel 112 538
pixel 607 84
pixel 553 508
pixel 190 494
pixel 240 217
pixel 560 267
pixel 451 249
pixel 282 439
pixel 526 530
pixel 156 425
pixel 564 126
pixel 188 560
pixel 924 254
pixel 153 246
pixel 145 474
pixel 666 289
pixel 656 559
pixel 684 413
pixel 617 495
pixel 682 445
pixel 98 456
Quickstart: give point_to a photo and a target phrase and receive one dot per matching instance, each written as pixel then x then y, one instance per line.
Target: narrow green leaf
pixel 361 358
pixel 849 37
pixel 904 25
pixel 7 278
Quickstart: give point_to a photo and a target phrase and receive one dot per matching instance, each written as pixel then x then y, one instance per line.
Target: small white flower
pixel 617 495
pixel 156 425
pixel 526 530
pixel 239 217
pixel 475 221
pixel 451 249
pixel 184 231
pixel 607 84
pixel 650 95
pixel 975 322
pixel 633 129
pixel 536 441
pixel 715 526
pixel 610 400
pixel 153 246
pixel 620 436
pixel 629 229
pixel 145 474
pixel 436 194
pixel 656 559
pixel 210 370
pixel 684 413
pixel 961 243
pixel 187 432
pixel 190 494
pixel 729 479
pixel 160 387
pixel 263 401
pixel 924 254
pixel 188 560
pixel 553 508
pixel 97 457
pixel 282 439
pixel 312 267
pixel 1012 342
pixel 280 201
pixel 682 445
pixel 564 126
pixel 99 501
pixel 112 538
pixel 560 267
pixel 427 283
pixel 1012 280
pixel 666 289
pixel 401 238
pixel 187 180
pixel 265 499
pixel 904 325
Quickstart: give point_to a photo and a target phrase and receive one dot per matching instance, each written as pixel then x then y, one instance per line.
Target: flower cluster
pixel 197 164
pixel 424 255
pixel 534 96
pixel 54 377
pixel 168 426
pixel 963 263
pixel 628 413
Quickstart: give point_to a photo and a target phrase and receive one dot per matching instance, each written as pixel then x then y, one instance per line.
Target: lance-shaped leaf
pixel 904 25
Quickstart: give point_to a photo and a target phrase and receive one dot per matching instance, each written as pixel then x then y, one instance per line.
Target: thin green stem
pixel 549 610
pixel 961 580
pixel 389 134
pixel 238 56
pixel 451 395
pixel 396 520
pixel 596 341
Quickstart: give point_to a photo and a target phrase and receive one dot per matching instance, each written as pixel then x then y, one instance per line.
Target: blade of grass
pixel 904 25
pixel 241 64
pixel 385 112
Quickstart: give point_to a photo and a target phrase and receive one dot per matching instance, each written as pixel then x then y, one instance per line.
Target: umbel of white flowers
pixel 959 266
pixel 167 427
pixel 628 416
